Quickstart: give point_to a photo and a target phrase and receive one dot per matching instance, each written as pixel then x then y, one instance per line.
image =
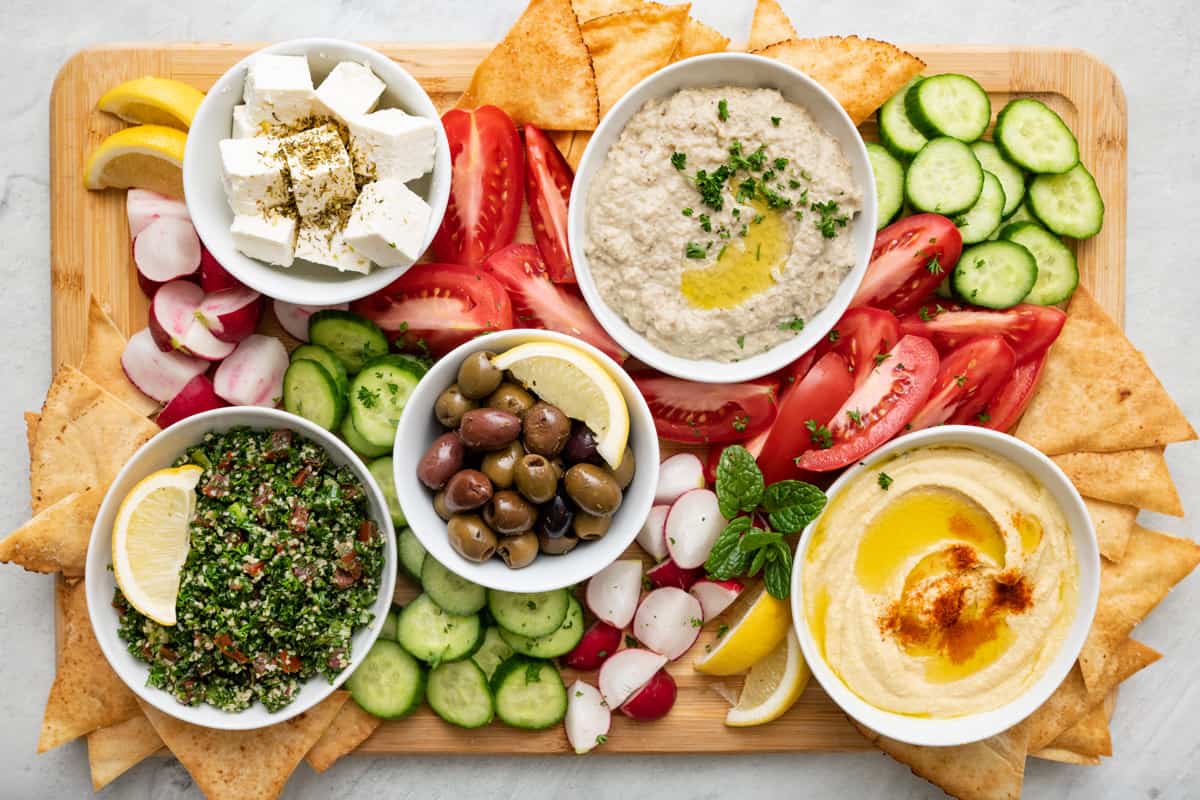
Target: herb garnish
pixel 776 120
pixel 821 435
pixel 722 110
pixel 695 250
pixel 794 324
pixel 679 160
pixel 885 481
pixel 829 221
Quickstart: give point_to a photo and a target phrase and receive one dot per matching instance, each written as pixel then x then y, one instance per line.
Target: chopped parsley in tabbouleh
pixel 284 566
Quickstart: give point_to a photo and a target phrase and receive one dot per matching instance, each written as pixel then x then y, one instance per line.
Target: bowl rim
pixel 273 280
pixel 430 529
pixel 710 370
pixel 941 732
pixel 134 676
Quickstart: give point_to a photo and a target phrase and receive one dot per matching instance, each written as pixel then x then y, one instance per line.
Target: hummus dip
pixel 720 221
pixel 941 582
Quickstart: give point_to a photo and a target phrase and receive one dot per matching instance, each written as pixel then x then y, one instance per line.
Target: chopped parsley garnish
pixel 741 342
pixel 829 221
pixel 722 110
pixel 705 223
pixel 780 164
pixel 855 417
pixel 711 186
pixel 758 252
pixel 885 481
pixel 687 212
pixel 776 120
pixel 722 629
pixel 881 357
pixel 960 380
pixel 934 267
pixel 758 218
pixel 679 160
pixel 821 435
pixel 695 250
pixel 983 417
pixel 794 324
pixel 834 335
pixel 740 422
pixel 367 397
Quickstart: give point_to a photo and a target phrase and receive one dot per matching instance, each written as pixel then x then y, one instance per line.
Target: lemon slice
pixel 145 156
pixel 752 638
pixel 153 101
pixel 150 540
pixel 772 686
pixel 571 379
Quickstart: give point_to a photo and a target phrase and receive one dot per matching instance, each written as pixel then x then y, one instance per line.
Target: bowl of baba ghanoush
pixel 289 574
pixel 722 217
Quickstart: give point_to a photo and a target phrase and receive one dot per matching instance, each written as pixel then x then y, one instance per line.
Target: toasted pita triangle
pixel 562 140
pixel 860 73
pixel 1138 478
pixel 578 145
pixel 1097 392
pixel 86 693
pixel 1114 525
pixel 629 45
pixel 540 72
pixel 56 540
pixel 590 9
pixel 698 39
pixel 102 360
pixel 238 765
pixel 350 728
pixel 769 25
pixel 1065 756
pixel 114 750
pixel 1089 736
pixel 31 423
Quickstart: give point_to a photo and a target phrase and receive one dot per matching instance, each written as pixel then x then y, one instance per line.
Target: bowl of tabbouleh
pixel 288 578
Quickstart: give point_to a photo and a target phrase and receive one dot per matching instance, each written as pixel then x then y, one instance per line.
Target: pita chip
pixel 699 39
pixel 860 73
pixel 769 25
pixel 1065 756
pixel 1114 525
pixel 31 423
pixel 629 45
pixel 562 140
pixel 56 540
pixel 86 693
pixel 114 750
pixel 102 360
pixel 350 728
pixel 578 145
pixel 1138 478
pixel 590 9
pixel 1089 737
pixel 1097 392
pixel 244 765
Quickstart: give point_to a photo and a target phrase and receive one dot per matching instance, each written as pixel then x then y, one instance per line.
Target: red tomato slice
pixel 437 307
pixel 1028 329
pixel 880 408
pixel 859 336
pixel 901 272
pixel 548 181
pixel 969 377
pixel 708 413
pixel 817 396
pixel 486 185
pixel 1008 404
pixel 539 303
pixel 754 445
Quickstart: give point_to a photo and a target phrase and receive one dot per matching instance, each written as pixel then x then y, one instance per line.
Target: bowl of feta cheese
pixel 316 171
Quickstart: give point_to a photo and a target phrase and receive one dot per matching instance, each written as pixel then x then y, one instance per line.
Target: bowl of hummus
pixel 722 217
pixel 947 588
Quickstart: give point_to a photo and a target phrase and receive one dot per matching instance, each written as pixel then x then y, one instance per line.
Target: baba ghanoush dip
pixel 720 221
pixel 941 582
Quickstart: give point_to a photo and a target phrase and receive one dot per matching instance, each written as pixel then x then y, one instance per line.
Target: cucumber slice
pixel 434 635
pixel 529 614
pixel 389 682
pixel 1058 275
pixel 1068 204
pixel 381 470
pixel 1020 215
pixel 310 392
pixel 493 652
pixel 556 644
pixel 944 178
pixel 412 552
pixel 357 443
pixel 378 395
pixel 1033 137
pixel 889 184
pixel 453 593
pixel 949 105
pixel 983 218
pixel 529 693
pixel 325 357
pixel 390 626
pixel 994 274
pixel 353 339
pixel 458 692
pixel 1012 178
pixel 896 131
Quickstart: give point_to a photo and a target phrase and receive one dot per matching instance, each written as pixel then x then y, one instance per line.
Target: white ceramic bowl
pixel 302 283
pixel 724 69
pixel 419 427
pixel 971 727
pixel 161 452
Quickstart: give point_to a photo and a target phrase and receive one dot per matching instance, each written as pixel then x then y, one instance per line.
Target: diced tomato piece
pixel 970 375
pixel 911 257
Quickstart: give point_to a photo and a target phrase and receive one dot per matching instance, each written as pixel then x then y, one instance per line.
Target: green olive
pixel 588 527
pixel 509 513
pixel 557 545
pixel 511 398
pixel 470 538
pixel 477 376
pixel 593 489
pixel 451 405
pixel 545 429
pixel 623 474
pixel 535 478
pixel 499 464
pixel 518 551
pixel 439 505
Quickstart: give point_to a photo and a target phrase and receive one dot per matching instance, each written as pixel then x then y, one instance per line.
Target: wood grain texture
pixel 90 253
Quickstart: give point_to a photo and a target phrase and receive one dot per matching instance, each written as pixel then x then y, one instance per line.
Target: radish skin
pixel 253 374
pixel 175 324
pixel 231 314
pixel 155 373
pixel 693 525
pixel 213 276
pixel 588 718
pixel 653 700
pixel 668 573
pixel 196 396
pixel 626 672
pixel 651 537
pixel 598 643
pixel 716 596
pixel 294 319
pixel 668 621
pixel 676 475
pixel 612 593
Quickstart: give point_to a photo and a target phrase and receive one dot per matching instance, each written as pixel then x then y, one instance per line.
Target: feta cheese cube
pixel 244 126
pixel 388 223
pixel 267 237
pixel 350 90
pixel 324 244
pixel 391 144
pixel 252 172
pixel 279 90
pixel 320 170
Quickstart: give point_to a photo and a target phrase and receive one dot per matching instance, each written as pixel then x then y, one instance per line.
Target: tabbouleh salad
pixel 284 566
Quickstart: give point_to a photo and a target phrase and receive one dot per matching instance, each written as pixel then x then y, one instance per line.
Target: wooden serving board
pixel 90 253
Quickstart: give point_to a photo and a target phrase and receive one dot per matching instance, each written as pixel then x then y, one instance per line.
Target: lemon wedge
pixel 153 101
pixel 772 686
pixel 579 385
pixel 145 157
pixel 150 540
pixel 751 639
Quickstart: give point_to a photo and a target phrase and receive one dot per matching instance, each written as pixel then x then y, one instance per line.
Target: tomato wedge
pixel 437 307
pixel 970 375
pixel 859 337
pixel 879 409
pixel 548 180
pixel 708 413
pixel 539 303
pixel 817 396
pixel 1028 329
pixel 486 185
pixel 1008 404
pixel 902 273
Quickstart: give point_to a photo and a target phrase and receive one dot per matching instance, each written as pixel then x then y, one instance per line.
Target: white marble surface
pixel 1151 45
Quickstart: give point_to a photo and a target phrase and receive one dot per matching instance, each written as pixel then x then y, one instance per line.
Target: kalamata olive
pixel 593 489
pixel 518 551
pixel 588 527
pixel 545 429
pixel 443 458
pixel 535 478
pixel 451 405
pixel 557 545
pixel 498 464
pixel 581 445
pixel 467 490
pixel 556 517
pixel 470 538
pixel 439 505
pixel 489 428
pixel 511 398
pixel 623 474
pixel 477 377
pixel 509 514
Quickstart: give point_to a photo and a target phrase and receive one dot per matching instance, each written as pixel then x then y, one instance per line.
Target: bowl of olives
pixel 503 488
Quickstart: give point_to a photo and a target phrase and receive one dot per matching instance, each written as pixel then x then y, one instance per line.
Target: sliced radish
pixel 213 276
pixel 653 700
pixel 612 593
pixel 174 323
pixel 294 319
pixel 588 718
pixel 166 250
pixel 196 396
pixel 715 596
pixel 626 672
pixel 144 206
pixel 598 643
pixel 232 314
pixel 253 374
pixel 693 525
pixel 155 373
pixel 676 475
pixel 668 573
pixel 668 621
pixel 651 537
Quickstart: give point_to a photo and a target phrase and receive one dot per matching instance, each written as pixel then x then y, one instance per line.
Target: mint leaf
pixel 777 575
pixel 726 559
pixel 760 558
pixel 791 505
pixel 757 539
pixel 739 481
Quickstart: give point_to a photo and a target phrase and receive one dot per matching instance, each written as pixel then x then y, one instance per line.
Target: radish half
pixel 155 373
pixel 653 700
pixel 612 593
pixel 651 537
pixel 626 672
pixel 294 319
pixel 166 250
pixel 668 621
pixel 253 374
pixel 175 323
pixel 213 276
pixel 676 475
pixel 668 573
pixel 693 525
pixel 144 206
pixel 196 396
pixel 598 643
pixel 232 314
pixel 588 718
pixel 716 596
